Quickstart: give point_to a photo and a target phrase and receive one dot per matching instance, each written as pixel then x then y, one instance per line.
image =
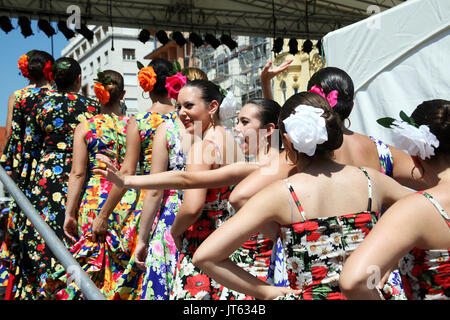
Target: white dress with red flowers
pixel 310 254
pixel 426 273
pixel 189 282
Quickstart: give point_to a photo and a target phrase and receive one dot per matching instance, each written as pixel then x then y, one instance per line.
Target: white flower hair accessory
pixel 408 136
pixel 306 128
pixel 228 106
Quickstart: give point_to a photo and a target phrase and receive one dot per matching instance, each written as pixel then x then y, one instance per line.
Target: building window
pixel 130 79
pixel 98 61
pixel 128 54
pixel 91 65
pixel 106 57
pixel 98 35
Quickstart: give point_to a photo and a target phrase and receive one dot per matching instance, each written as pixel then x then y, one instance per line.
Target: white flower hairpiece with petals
pixel 416 141
pixel 408 136
pixel 306 128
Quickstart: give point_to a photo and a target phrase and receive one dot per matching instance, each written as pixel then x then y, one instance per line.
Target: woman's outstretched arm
pixel 228 175
pixel 213 254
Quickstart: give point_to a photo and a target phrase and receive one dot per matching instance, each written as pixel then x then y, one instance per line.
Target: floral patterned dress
pixel 56 118
pixel 312 252
pixel 129 285
pixel 20 156
pixel 162 253
pixel 103 261
pixel 426 273
pixel 254 256
pixel 189 282
pixel 393 288
pixel 50 121
pixel 385 155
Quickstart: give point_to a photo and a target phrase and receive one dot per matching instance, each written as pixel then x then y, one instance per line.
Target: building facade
pixel 112 48
pixel 295 78
pixel 239 70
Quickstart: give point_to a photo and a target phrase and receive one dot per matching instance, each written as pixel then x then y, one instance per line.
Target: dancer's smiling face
pixel 193 109
pixel 247 129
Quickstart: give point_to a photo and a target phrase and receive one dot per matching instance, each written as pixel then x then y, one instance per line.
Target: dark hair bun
pixel 332 119
pixel 36 64
pixel 66 71
pixel 162 68
pixel 115 88
pixel 436 115
pixel 334 129
pixel 330 79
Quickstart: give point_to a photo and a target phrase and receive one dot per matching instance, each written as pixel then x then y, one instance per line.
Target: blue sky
pixel 13 45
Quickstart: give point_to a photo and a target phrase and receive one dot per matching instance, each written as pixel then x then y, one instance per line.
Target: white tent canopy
pixel 397 59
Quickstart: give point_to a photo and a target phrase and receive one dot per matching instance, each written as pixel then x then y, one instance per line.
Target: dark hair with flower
pixel 66 71
pixel 336 86
pixel 35 65
pixel 176 81
pixel 108 86
pixel 22 63
pixel 99 87
pixel 48 71
pixel 333 123
pixel 425 133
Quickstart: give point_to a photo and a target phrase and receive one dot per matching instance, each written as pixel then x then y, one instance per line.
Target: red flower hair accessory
pixel 22 63
pixel 48 71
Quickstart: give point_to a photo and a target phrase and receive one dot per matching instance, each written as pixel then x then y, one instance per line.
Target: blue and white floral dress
pixel 162 253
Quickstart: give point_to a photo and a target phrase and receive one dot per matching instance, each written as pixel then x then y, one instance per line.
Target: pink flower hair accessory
pixel 331 97
pixel 174 84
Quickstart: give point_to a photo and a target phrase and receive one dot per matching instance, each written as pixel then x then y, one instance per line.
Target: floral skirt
pixel 162 253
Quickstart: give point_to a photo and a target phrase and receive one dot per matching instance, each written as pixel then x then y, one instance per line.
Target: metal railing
pixel 72 267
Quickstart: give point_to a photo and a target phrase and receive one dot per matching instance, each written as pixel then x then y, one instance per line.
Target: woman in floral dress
pixel 356 149
pixel 310 211
pixel 139 142
pixel 56 117
pixel 199 101
pixel 21 152
pixel 23 63
pixel 162 254
pixel 203 210
pixel 257 114
pixel 100 256
pixel 416 229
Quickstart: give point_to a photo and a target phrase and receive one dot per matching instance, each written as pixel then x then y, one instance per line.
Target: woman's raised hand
pixel 267 73
pixel 110 172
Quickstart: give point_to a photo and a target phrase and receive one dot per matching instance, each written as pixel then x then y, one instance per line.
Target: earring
pixel 349 123
pixel 212 120
pixel 421 172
